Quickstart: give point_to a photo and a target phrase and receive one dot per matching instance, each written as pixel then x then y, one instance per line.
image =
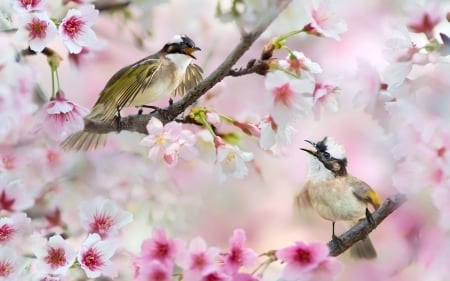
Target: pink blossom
pixel 28 5
pixel 183 148
pixel 54 256
pixel 372 94
pixel 37 30
pixel 424 19
pixel 10 265
pixel 274 137
pixel 239 255
pixel 160 248
pixel 215 274
pixel 13 195
pixel 301 258
pixel 324 95
pixel 402 54
pixel 104 217
pixel 231 161
pixel 155 271
pixel 300 65
pixel 75 28
pixel 94 257
pixel 169 142
pixel 61 117
pixel 197 259
pixel 289 96
pixel 324 22
pixel 11 226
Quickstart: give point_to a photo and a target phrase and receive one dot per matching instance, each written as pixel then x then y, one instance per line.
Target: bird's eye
pixel 326 155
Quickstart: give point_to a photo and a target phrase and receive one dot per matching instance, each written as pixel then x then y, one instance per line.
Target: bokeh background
pixel 188 201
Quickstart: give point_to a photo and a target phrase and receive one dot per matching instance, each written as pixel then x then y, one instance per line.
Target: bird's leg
pixel 118 118
pixel 335 238
pixel 370 218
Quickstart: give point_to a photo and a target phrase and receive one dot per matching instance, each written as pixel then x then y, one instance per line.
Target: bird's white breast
pixel 334 199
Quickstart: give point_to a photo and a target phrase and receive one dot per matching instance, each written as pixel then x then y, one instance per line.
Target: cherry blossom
pixel 54 256
pixel 28 5
pixel 104 217
pixel 289 96
pixel 169 142
pixel 10 264
pixel 239 255
pixel 301 65
pixel 197 259
pixel 13 195
pixel 402 53
pixel 75 28
pixel 231 160
pixel 274 137
pixel 324 96
pixel 37 30
pixel 159 248
pixel 154 271
pixel 372 94
pixel 214 273
pixel 301 258
pixel 94 257
pixel 424 19
pixel 10 227
pixel 324 21
pixel 61 117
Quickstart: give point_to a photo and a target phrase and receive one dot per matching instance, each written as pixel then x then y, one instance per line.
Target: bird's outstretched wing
pixel 124 86
pixel 193 76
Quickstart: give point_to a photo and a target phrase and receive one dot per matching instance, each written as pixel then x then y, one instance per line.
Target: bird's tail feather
pixel 84 141
pixel 363 249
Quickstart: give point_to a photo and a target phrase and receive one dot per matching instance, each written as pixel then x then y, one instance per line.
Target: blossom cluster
pixel 37 28
pixel 53 254
pixel 162 258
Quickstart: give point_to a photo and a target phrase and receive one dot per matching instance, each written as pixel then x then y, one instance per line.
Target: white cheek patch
pixel 336 150
pixel 176 39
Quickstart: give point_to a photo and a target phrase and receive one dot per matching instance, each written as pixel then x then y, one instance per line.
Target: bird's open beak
pixel 189 51
pixel 312 152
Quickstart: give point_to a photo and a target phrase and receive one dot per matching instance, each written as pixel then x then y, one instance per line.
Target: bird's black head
pixel 181 44
pixel 330 154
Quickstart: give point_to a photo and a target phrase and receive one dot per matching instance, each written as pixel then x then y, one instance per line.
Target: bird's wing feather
pixel 364 192
pixel 193 76
pixel 302 199
pixel 133 80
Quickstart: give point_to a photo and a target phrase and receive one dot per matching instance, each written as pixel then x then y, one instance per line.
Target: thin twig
pixel 137 123
pixel 103 6
pixel 363 228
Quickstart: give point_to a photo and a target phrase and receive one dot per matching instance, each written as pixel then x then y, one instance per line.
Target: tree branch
pixel 108 6
pixel 137 123
pixel 363 228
